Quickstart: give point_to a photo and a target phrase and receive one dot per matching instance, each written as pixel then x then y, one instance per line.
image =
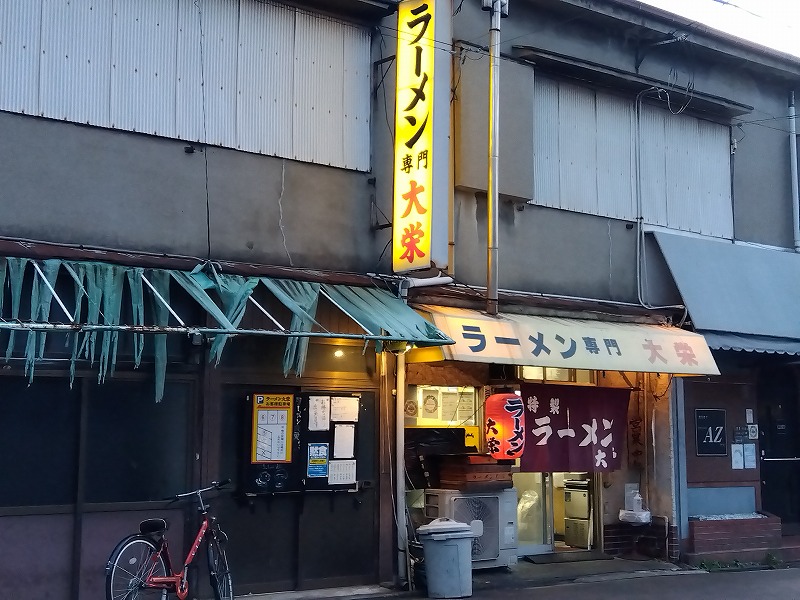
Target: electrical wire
pixel 382 85
pixel 380 258
pixel 205 126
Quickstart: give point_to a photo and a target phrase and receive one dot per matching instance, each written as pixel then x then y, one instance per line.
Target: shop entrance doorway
pixel 780 447
pixel 555 512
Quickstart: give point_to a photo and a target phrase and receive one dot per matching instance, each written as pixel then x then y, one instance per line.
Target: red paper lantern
pixel 505 425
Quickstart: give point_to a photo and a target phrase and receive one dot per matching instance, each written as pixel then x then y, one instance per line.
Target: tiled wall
pixel 656 540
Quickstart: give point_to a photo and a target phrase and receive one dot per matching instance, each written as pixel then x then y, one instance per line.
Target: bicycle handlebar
pixel 215 485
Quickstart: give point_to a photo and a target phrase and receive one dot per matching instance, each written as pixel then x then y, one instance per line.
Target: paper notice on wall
pixel 450 406
pixel 344 409
pixel 317 460
pixel 341 472
pixel 430 403
pixel 344 441
pixel 466 409
pixel 319 413
pixel 749 456
pixel 737 456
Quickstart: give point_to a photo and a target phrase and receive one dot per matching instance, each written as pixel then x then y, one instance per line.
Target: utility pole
pixel 498 9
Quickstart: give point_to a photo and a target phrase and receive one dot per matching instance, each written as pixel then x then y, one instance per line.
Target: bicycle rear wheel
pixel 219 573
pixel 134 560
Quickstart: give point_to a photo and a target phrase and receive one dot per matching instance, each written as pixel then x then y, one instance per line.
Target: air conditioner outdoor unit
pixel 497 547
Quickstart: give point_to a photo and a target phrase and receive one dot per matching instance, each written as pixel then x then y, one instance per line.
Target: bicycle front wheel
pixel 134 560
pixel 219 573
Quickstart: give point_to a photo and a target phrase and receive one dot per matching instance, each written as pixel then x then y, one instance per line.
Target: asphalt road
pixel 783 584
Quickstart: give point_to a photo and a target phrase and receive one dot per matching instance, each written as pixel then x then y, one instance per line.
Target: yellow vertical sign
pixel 413 143
pixel 272 428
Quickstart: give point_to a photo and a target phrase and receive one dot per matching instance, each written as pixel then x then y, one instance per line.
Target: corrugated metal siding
pixel 715 146
pixel 546 153
pixel 584 160
pixel 615 157
pixel 256 76
pixel 318 92
pixel 188 83
pixel 266 47
pixel 75 75
pixel 220 35
pixel 688 173
pixel 577 132
pixel 143 48
pixel 356 98
pixel 684 186
pixel 20 52
pixel 653 167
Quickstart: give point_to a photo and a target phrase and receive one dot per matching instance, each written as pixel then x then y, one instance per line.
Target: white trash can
pixel 447 547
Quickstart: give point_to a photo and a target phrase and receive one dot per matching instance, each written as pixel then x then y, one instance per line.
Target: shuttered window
pixel 585 160
pixel 254 76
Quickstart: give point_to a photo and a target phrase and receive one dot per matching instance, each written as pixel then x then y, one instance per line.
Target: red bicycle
pixel 140 565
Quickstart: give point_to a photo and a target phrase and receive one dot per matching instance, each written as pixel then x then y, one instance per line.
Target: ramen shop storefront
pixel 582 406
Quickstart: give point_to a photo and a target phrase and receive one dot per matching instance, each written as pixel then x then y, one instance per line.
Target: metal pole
pixel 494 138
pixel 400 472
pixel 793 171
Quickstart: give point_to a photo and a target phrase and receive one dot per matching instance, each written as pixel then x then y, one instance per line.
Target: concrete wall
pixel 547 250
pixel 82 185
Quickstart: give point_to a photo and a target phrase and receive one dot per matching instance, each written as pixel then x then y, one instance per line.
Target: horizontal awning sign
pixel 570 343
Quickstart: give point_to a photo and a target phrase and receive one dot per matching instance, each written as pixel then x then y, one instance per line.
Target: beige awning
pixel 566 343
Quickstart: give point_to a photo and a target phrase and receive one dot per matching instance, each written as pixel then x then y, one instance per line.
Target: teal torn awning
pixel 92 310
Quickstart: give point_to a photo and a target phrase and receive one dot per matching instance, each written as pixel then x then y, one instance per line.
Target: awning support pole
pixel 264 310
pixel 161 299
pixel 341 308
pixel 52 291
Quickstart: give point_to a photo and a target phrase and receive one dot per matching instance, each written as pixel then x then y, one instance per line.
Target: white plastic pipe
pixel 793 171
pixel 400 471
pixel 493 190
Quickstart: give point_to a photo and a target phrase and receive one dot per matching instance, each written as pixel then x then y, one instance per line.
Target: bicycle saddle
pixel 150 526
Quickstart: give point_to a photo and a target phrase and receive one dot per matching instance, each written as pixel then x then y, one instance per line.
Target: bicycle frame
pixel 177 582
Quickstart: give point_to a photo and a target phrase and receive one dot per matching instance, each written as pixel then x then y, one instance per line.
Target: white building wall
pixel 259 77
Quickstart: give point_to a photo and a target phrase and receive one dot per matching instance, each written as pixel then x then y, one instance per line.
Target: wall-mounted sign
pixel 413 143
pixel 272 428
pixel 710 433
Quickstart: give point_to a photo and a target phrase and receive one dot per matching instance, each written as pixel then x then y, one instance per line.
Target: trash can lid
pixel 444 525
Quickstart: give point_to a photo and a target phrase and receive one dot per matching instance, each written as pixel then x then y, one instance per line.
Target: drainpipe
pixel 498 8
pixel 793 170
pixel 403 558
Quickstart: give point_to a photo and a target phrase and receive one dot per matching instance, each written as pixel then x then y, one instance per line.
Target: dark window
pixel 38 441
pixel 137 448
